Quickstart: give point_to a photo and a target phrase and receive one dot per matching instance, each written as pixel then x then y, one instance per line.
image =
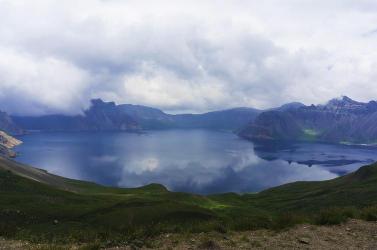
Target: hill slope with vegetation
pixel 38 206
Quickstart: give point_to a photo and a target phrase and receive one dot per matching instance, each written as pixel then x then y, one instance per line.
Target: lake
pixel 198 161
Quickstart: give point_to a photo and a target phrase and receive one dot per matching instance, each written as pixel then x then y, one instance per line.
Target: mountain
pixel 341 120
pixel 127 117
pixel 289 106
pixel 7 142
pixel 152 118
pixel 231 119
pixel 101 115
pixel 107 116
pixel 8 125
pixel 147 117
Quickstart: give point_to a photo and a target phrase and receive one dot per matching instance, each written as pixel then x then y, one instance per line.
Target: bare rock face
pixel 8 142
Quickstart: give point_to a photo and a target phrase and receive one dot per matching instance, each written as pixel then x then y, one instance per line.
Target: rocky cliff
pixel 8 142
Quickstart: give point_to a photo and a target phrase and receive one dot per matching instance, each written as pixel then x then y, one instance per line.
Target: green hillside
pixel 38 206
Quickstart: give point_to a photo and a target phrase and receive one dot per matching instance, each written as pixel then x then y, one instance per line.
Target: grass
pixel 89 213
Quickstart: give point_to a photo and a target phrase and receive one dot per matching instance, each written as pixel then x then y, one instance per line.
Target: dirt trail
pixel 354 234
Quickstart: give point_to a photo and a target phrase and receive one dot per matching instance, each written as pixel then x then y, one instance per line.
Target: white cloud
pixel 193 56
pixel 38 85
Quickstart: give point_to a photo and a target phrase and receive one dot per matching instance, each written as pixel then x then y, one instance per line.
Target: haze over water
pixel 198 161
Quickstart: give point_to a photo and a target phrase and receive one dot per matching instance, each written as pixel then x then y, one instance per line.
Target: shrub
pixel 334 216
pixel 369 213
pixel 92 246
pixel 286 220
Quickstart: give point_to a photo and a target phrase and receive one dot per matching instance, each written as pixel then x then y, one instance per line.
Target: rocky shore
pixel 8 142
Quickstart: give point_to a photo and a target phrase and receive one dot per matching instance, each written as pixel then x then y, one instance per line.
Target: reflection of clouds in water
pixel 140 166
pixel 280 172
pixel 193 161
pixel 103 159
pixel 55 162
pixel 242 159
pixel 245 176
pixel 185 174
pixel 171 174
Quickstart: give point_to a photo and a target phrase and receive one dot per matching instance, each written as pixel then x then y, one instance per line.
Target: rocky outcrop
pixel 8 142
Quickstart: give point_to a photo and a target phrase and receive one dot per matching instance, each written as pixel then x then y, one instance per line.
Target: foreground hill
pixel 339 121
pixel 126 117
pixel 37 205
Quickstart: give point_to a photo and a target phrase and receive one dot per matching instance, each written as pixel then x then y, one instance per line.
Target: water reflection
pixel 196 161
pixel 338 159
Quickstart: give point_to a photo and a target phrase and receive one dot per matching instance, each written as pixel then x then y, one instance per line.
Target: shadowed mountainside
pixel 339 121
pixel 101 116
pixel 126 117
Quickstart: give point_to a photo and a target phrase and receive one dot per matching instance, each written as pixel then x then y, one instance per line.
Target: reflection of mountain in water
pixel 310 154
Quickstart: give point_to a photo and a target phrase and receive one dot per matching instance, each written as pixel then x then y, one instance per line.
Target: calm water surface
pixel 198 161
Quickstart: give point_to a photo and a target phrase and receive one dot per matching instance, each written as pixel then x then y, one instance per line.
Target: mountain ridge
pixel 133 118
pixel 99 116
pixel 338 121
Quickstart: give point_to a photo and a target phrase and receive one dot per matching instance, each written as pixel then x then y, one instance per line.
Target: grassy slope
pixel 85 211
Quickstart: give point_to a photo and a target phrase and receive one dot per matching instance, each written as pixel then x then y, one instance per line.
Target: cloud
pixel 39 85
pixel 184 56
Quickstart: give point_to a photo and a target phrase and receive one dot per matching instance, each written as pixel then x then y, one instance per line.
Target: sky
pixel 184 56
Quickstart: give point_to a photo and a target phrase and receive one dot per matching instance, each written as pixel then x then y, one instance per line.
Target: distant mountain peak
pixel 290 106
pixel 347 99
pixel 343 102
pixel 100 103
